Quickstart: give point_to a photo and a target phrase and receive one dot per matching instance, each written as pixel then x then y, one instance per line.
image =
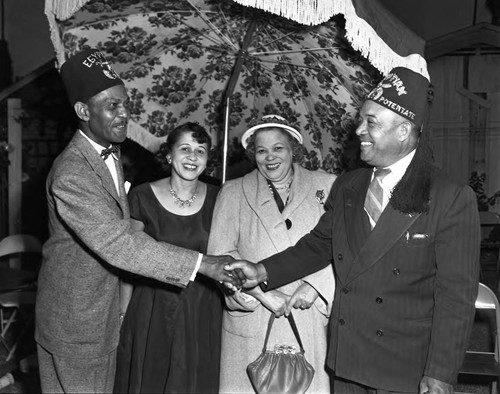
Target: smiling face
pixel 106 116
pixel 189 157
pixel 384 135
pixel 273 154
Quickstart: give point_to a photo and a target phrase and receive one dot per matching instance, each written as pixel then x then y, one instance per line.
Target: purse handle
pixel 292 324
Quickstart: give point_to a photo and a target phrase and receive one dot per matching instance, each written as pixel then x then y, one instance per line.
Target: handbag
pixel 282 370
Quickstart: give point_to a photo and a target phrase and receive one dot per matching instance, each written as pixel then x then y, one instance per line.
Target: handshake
pixel 235 274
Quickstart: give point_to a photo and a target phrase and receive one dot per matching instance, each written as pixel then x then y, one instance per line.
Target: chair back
pixel 486 299
pixel 19 243
pixel 13 278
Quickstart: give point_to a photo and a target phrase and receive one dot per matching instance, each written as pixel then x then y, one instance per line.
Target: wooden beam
pixel 27 79
pixel 484 34
pixel 14 138
pixel 473 97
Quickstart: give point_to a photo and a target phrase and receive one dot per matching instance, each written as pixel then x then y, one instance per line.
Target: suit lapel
pixel 97 164
pixel 301 186
pixel 262 202
pixel 390 227
pixel 357 223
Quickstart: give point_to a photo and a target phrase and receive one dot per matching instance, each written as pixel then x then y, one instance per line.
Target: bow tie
pixel 112 149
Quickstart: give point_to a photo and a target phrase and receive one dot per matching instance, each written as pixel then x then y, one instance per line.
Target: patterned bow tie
pixel 112 149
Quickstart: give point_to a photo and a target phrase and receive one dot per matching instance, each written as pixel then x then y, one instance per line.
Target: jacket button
pixel 340 256
pixel 341 322
pixel 396 271
pixel 380 333
pixel 379 300
pixel 345 290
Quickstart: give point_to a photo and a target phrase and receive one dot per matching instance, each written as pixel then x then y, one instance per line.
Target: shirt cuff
pixel 196 268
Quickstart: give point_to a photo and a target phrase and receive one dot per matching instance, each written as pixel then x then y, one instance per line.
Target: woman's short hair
pixel 200 135
pixel 297 147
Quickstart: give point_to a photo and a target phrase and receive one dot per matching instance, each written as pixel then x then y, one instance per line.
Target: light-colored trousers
pixel 76 375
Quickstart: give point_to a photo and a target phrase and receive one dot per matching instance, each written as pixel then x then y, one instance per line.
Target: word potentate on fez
pixel 393 84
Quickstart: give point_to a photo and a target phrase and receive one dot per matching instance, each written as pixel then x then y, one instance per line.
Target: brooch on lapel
pixel 320 195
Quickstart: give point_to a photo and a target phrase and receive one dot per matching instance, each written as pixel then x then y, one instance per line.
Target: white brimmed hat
pixel 269 121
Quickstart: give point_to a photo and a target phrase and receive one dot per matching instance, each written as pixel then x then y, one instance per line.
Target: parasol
pixel 225 65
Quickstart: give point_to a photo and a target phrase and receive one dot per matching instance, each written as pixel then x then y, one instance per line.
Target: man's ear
pixel 404 131
pixel 82 111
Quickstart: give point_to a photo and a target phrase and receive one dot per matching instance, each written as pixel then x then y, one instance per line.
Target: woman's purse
pixel 283 370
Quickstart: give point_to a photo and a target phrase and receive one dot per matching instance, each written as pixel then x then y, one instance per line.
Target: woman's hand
pixel 273 300
pixel 303 298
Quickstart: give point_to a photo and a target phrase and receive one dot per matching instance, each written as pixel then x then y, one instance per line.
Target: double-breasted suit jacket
pixel 77 309
pixel 405 292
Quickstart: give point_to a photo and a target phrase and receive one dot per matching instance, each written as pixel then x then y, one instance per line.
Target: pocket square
pixel 419 236
pixel 416 236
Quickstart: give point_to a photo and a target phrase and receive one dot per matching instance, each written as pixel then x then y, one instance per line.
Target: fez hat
pixel 86 74
pixel 404 92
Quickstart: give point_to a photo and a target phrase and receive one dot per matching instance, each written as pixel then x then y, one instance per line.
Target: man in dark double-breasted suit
pixel 405 248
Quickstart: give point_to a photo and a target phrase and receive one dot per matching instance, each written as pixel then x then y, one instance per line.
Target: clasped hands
pixel 235 274
pixel 242 274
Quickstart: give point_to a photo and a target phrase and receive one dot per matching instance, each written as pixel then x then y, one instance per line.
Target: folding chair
pixel 490 241
pixel 17 287
pixel 485 364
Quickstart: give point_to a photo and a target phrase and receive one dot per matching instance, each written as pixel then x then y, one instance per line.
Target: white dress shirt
pixel 110 161
pixel 390 181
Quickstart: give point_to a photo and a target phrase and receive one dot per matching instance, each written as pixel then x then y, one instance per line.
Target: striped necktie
pixel 375 195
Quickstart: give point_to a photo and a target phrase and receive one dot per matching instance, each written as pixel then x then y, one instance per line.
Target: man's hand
pixel 249 274
pixel 213 267
pixel 303 298
pixel 430 385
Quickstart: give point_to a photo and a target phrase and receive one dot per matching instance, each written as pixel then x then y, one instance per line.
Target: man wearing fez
pixel 404 241
pixel 77 309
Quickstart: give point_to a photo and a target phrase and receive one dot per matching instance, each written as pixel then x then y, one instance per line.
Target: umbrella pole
pixel 226 143
pixel 229 91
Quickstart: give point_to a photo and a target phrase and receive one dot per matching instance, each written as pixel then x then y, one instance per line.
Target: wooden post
pixel 14 139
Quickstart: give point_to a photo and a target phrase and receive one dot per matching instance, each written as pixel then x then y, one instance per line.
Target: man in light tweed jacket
pixel 77 311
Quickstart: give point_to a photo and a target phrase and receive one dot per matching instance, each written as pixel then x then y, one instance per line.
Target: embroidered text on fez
pixel 112 149
pixel 375 195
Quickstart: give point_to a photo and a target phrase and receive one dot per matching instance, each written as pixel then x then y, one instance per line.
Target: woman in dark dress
pixel 170 337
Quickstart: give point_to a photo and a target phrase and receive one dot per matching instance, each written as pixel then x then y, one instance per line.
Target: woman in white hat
pixel 256 216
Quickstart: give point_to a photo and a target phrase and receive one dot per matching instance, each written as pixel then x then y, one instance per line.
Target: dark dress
pixel 170 338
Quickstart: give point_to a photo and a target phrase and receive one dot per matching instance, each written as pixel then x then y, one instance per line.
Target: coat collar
pixel 261 201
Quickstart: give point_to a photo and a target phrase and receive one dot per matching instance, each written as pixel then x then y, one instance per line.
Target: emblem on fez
pixel 108 71
pixel 106 67
pixel 378 91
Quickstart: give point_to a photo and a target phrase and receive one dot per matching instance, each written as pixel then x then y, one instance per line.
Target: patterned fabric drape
pixel 177 58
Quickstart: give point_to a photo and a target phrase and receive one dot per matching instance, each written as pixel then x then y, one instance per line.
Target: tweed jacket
pixel 247 224
pixel 404 302
pixel 77 309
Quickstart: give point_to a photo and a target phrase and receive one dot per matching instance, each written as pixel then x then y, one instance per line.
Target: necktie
pixel 375 195
pixel 112 149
